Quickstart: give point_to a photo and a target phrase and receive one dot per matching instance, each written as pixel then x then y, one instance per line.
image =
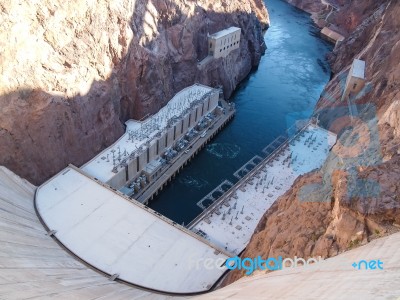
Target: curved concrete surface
pixel 33 266
pixel 334 278
pixel 124 238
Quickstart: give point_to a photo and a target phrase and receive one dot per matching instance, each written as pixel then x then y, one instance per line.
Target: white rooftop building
pixel 221 43
pixel 121 237
pixel 144 142
pixel 355 79
pixel 332 36
pixel 358 69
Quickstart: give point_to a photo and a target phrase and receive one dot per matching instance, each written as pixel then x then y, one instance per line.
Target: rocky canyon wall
pixel 355 197
pixel 73 71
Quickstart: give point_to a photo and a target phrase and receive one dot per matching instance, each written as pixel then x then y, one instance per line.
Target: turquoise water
pixel 289 79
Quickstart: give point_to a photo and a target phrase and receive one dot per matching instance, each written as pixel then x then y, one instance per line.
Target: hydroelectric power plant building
pixel 88 210
pixel 98 212
pixel 138 156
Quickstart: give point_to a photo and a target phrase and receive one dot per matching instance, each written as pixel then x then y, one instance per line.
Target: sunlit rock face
pixel 359 184
pixel 72 72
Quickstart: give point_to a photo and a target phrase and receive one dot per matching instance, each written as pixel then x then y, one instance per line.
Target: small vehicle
pixel 203 134
pixel 186 151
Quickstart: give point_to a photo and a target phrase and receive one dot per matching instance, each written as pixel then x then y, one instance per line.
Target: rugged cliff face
pixel 355 197
pixel 331 12
pixel 73 72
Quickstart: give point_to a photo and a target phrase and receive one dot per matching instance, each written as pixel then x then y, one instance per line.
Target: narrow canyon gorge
pixel 73 72
pixel 355 197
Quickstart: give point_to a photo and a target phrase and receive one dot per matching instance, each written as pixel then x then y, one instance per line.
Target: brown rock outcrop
pixel 73 72
pixel 356 194
pixel 330 12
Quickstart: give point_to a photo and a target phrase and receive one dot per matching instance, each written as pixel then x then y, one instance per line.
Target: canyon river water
pixel 289 79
